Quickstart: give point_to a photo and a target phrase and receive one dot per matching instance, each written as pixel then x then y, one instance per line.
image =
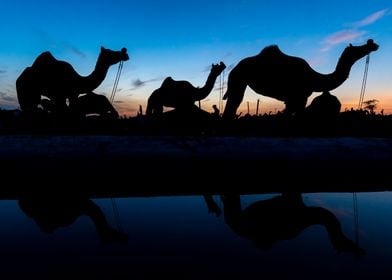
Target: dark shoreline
pixel 184 165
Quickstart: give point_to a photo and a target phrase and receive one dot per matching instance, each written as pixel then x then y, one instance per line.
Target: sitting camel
pixel 92 103
pixel 58 80
pixel 325 106
pixel 86 104
pixel 181 95
pixel 286 78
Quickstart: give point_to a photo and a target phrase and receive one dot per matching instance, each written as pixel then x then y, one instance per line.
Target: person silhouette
pixel 282 217
pixel 51 212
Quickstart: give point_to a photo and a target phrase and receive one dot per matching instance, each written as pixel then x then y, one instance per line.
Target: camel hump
pixel 167 82
pixel 44 58
pixel 271 50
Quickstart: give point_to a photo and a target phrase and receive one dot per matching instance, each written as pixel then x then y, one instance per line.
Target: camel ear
pixel 102 49
pixel 350 45
pixel 124 50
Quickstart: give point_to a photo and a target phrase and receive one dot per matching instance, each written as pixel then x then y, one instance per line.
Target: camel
pixel 86 104
pixel 92 103
pixel 283 217
pixel 181 95
pixel 287 78
pixel 325 106
pixel 59 81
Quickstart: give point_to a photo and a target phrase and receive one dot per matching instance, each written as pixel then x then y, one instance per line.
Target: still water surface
pixel 179 237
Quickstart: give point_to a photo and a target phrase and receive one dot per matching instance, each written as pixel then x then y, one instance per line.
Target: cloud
pixel 371 18
pixel 139 83
pixel 343 36
pixel 53 43
pixel 3 71
pixel 230 67
pixel 5 97
pixel 354 33
pixel 77 51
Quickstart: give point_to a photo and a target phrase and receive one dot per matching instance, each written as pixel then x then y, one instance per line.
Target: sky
pixel 182 39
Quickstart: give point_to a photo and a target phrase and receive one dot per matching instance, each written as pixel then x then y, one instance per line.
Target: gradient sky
pixel 182 39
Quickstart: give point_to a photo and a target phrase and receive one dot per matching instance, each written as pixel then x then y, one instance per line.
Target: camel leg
pixel 235 95
pixel 295 105
pixel 232 212
pixel 28 92
pixel 154 104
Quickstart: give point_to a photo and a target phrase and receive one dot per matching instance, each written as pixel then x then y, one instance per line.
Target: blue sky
pixel 183 38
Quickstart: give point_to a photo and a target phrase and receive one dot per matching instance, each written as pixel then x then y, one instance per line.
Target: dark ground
pixel 188 155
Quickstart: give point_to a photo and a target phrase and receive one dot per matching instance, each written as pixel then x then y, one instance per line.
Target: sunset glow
pixel 182 39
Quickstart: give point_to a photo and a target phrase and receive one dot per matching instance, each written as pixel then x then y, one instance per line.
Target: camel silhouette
pixel 181 95
pixel 86 104
pixel 92 103
pixel 282 217
pixel 325 106
pixel 51 211
pixel 287 78
pixel 58 80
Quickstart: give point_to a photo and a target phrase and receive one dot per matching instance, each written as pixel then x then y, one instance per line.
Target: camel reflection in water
pixel 264 222
pixel 282 217
pixel 51 211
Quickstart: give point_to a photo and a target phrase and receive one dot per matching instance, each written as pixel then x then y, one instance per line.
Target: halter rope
pixel 114 90
pixel 364 80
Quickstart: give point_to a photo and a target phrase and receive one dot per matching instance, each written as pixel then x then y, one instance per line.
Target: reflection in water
pixel 53 211
pixel 168 234
pixel 282 217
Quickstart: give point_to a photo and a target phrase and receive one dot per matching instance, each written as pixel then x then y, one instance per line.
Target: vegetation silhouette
pixel 286 78
pixel 58 80
pixel 52 211
pixel 282 217
pixel 181 95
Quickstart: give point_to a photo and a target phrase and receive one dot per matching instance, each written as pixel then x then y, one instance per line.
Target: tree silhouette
pixel 370 105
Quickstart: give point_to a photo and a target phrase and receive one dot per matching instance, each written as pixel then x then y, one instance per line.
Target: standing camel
pixel 287 78
pixel 283 217
pixel 59 81
pixel 181 95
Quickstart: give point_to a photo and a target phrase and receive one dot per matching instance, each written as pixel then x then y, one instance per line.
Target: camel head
pixel 112 57
pixel 353 53
pixel 217 69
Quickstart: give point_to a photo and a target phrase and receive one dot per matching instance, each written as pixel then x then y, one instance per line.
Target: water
pixel 177 237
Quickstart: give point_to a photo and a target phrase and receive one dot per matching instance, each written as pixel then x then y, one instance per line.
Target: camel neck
pixel 92 81
pixel 204 91
pixel 333 80
pixel 329 82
